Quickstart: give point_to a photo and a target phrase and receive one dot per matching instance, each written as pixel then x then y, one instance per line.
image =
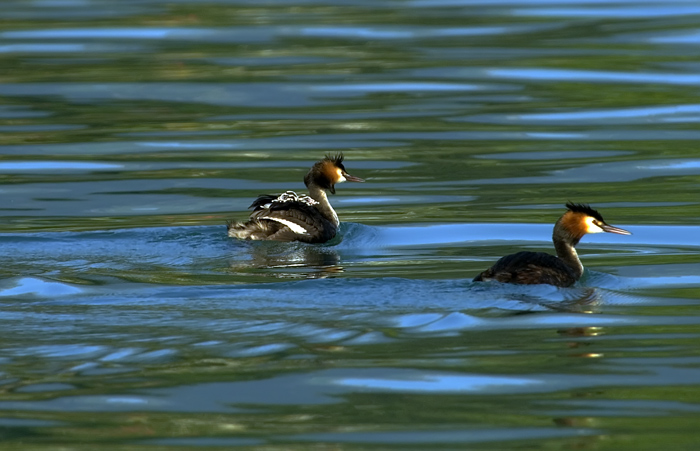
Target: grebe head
pixel 329 171
pixel 582 219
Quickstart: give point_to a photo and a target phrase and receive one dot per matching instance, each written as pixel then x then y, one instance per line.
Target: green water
pixel 131 131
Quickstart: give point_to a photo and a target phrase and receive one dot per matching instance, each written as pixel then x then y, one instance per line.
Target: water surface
pixel 131 131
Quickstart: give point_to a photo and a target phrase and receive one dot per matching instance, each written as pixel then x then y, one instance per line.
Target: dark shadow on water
pixel 290 260
pixel 541 298
pixel 578 300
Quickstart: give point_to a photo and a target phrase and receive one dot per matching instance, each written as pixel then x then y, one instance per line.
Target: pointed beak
pixel 351 178
pixel 610 229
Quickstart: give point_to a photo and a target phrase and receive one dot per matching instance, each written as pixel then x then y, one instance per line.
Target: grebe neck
pixel 565 244
pixel 319 195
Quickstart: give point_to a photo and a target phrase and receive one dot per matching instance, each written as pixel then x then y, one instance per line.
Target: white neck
pixel 319 195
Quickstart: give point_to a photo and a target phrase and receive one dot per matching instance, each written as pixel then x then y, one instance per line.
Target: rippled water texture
pixel 130 131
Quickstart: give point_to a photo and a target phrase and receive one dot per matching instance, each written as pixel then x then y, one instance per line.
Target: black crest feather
pixel 585 209
pixel 336 159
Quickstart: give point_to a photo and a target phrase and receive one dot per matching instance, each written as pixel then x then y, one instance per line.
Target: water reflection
pixel 579 300
pixel 291 261
pixel 576 334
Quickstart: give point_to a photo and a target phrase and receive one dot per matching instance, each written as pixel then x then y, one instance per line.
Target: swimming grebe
pixel 294 217
pixel 565 269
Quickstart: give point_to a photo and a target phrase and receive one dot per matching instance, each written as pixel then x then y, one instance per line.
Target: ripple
pixel 442 436
pixel 569 155
pixel 32 166
pixel 692 37
pixel 21 112
pixel 619 408
pixel 400 87
pixel 254 351
pixel 228 94
pixel 441 383
pixel 591 76
pixel 620 171
pixel 417 32
pixel 198 442
pixel 36 287
pixel 238 34
pixel 637 115
pixel 71 10
pixel 631 12
pixel 71 48
pixel 40 128
pixel 28 423
pixel 63 351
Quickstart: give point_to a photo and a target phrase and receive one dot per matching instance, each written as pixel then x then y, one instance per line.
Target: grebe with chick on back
pixel 294 217
pixel 530 268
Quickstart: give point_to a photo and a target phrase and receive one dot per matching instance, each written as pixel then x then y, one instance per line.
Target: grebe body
pixel 294 217
pixel 562 270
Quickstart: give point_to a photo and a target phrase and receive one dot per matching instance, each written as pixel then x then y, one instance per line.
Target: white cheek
pixel 340 177
pixel 591 227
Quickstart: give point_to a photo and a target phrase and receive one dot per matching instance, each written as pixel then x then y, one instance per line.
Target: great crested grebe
pixel 294 217
pixel 565 269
